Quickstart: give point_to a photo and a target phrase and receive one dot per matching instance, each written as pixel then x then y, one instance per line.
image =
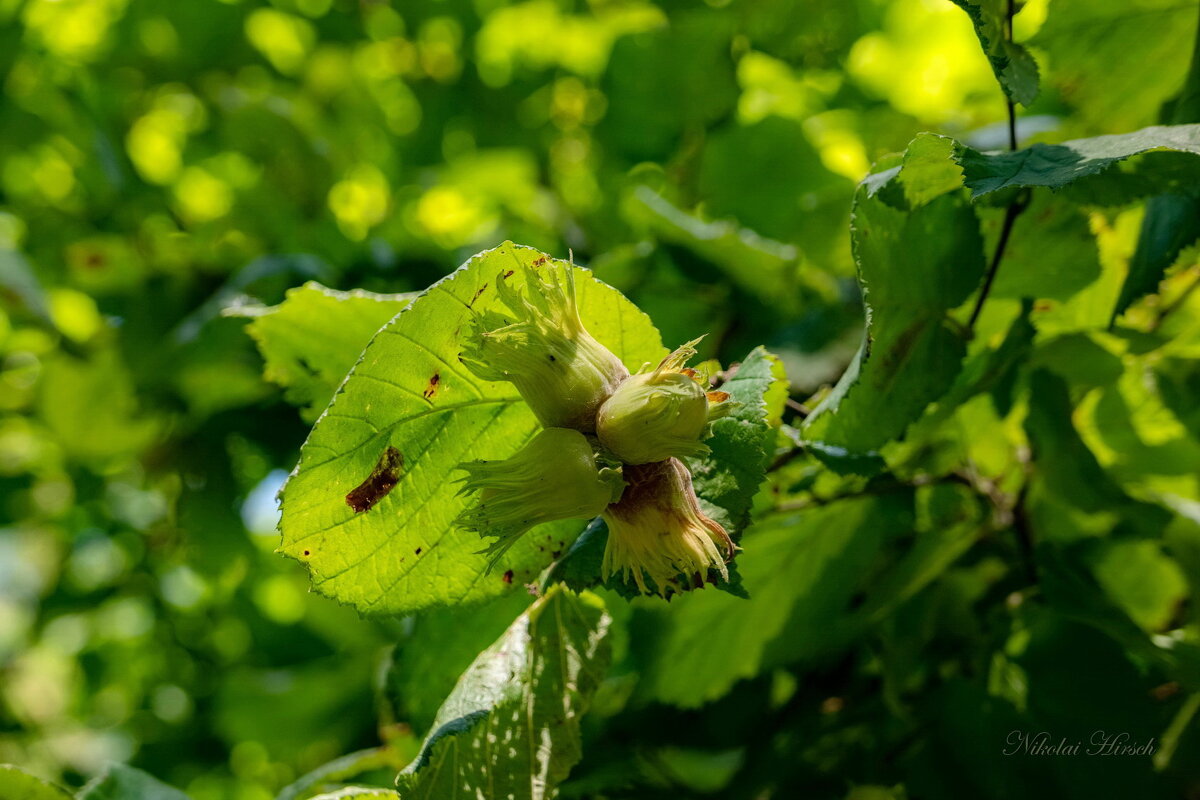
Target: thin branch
pixel 1010 217
pixel 1015 207
pixel 801 410
pixel 1012 109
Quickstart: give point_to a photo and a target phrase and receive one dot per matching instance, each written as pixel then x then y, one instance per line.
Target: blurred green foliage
pixel 1030 559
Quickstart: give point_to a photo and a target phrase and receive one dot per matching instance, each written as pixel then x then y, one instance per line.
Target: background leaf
pixel 1014 66
pixel 120 782
pixel 311 340
pixel 16 784
pixel 1117 61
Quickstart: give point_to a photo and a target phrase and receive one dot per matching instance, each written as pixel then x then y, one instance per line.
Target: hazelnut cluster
pixel 611 442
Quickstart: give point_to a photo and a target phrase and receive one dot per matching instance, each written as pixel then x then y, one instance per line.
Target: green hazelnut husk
pixel 659 414
pixel 542 347
pixel 659 537
pixel 555 476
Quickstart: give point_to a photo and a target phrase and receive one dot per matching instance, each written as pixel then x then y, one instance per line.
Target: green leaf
pixel 510 728
pixel 121 782
pixel 1051 252
pixel 1172 221
pixel 808 563
pixel 341 769
pixel 360 793
pixel 914 265
pixel 92 407
pixel 312 339
pixel 771 179
pixel 928 169
pixel 1141 579
pixel 1014 66
pixel 767 269
pixel 646 67
pixel 406 416
pixel 741 444
pixel 1057 165
pixel 1116 61
pixel 1170 224
pixel 16 784
pixel 443 644
pixel 1071 495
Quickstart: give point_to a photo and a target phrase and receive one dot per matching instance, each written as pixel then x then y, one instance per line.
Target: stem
pixel 1024 534
pixel 1012 109
pixel 1015 207
pixel 1010 216
pixel 1170 738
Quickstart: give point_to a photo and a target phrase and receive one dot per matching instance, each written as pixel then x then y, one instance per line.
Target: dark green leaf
pixel 806 564
pixel 341 769
pixel 1051 252
pixel 1056 165
pixel 510 728
pixel 646 67
pixel 770 179
pixel 914 266
pixel 741 443
pixel 120 782
pixel 443 644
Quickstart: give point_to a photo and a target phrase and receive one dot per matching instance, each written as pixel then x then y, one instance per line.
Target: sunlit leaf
pixel 406 416
pixel 1117 61
pixel 312 339
pixel 16 784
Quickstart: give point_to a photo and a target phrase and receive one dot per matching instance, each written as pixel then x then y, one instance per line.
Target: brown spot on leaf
pixel 417 552
pixel 537 262
pixel 308 552
pixel 432 388
pixel 507 577
pixel 508 274
pixel 478 292
pixel 382 480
